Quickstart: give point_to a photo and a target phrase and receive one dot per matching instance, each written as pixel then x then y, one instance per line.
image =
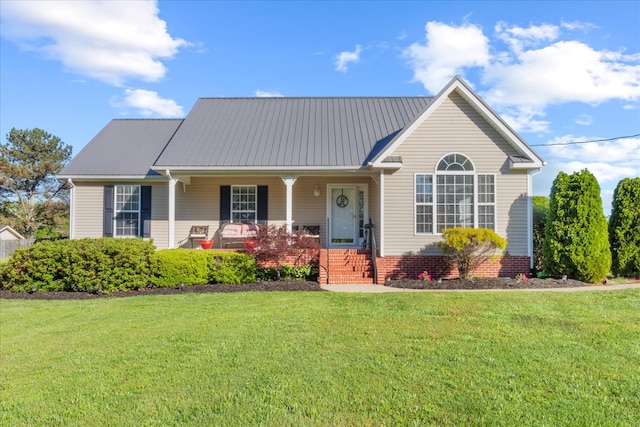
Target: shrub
pixel 540 208
pixel 470 247
pixel 624 228
pixel 232 267
pixel 307 272
pixel 274 245
pixel 576 241
pixel 172 267
pixel 89 265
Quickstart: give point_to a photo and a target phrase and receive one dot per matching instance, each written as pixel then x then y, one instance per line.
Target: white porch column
pixel 72 209
pixel 172 211
pixel 289 181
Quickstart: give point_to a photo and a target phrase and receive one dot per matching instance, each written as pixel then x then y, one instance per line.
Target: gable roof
pixel 124 148
pixel 263 133
pixel 527 158
pixel 275 134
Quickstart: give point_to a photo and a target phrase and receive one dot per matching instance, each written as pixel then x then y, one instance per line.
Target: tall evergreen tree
pixel 624 228
pixel 576 241
pixel 31 198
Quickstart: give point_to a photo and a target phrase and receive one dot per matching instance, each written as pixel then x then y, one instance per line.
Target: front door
pixel 343 230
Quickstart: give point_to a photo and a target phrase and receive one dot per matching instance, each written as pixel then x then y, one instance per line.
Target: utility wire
pixel 584 142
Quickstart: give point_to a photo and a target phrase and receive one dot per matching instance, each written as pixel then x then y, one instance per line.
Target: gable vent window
pixel 455 196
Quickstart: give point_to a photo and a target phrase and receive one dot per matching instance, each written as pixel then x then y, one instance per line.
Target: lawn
pixel 317 358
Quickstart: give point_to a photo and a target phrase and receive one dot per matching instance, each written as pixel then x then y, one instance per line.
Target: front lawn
pixel 319 358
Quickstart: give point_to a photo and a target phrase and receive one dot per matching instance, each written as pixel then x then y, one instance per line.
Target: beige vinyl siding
pixel 455 127
pixel 88 210
pixel 160 214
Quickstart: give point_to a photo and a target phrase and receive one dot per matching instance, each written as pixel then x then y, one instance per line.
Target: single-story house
pixel 408 166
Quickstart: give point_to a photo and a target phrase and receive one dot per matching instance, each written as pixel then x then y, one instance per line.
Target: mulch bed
pixel 488 283
pixel 296 285
pixel 292 285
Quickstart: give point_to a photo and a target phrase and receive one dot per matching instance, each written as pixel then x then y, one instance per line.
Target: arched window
pixel 455 196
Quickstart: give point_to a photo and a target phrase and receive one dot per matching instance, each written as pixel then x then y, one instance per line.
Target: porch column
pixel 289 181
pixel 172 211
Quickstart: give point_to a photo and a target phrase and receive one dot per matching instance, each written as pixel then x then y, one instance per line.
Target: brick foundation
pixel 347 266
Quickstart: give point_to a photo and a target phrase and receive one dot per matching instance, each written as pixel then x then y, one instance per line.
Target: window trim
pixel 255 211
pixel 117 212
pixel 434 195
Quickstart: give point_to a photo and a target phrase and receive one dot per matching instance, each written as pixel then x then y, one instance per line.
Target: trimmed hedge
pixel 173 267
pixel 87 265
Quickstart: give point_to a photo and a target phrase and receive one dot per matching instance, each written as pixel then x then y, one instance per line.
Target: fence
pixel 8 247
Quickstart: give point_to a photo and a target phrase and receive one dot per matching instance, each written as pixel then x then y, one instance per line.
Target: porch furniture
pixel 312 231
pixel 198 232
pixel 234 232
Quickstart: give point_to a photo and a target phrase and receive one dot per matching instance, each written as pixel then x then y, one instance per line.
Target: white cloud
pixel 267 94
pixel 584 120
pixel 448 50
pixel 149 104
pixel 609 161
pixel 344 58
pixel 533 69
pixel 105 40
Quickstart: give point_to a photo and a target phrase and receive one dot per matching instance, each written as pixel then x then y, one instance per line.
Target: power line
pixel 585 142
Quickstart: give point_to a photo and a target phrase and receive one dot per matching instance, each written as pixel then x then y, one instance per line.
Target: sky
pixel 561 73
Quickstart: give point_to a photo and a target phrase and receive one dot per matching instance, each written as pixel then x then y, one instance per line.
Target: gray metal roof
pixel 288 132
pixel 125 147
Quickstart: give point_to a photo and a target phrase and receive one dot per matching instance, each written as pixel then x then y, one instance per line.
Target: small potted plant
pixel 206 243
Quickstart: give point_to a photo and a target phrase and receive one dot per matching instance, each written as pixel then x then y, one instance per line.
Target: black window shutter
pixel 145 210
pixel 225 204
pixel 263 204
pixel 107 218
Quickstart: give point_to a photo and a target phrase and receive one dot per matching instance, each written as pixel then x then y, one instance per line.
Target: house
pixel 411 166
pixel 10 240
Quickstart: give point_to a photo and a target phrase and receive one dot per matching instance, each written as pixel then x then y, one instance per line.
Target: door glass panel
pixel 343 216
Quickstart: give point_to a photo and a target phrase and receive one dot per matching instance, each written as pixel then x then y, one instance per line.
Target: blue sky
pixel 559 72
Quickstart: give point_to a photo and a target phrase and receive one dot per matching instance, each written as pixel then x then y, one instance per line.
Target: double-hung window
pixel 244 203
pixel 455 196
pixel 127 211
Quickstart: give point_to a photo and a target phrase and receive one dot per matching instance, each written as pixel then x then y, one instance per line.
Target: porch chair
pixel 198 232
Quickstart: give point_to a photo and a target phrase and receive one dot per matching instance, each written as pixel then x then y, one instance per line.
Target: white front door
pixel 343 230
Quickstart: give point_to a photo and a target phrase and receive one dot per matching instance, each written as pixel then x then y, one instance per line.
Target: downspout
pixel 381 221
pixel 72 209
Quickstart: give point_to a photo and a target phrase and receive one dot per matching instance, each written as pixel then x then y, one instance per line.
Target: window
pixel 459 198
pixel 243 203
pixel 424 204
pixel 127 211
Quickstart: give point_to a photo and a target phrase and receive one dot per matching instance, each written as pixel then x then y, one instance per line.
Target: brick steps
pixel 350 266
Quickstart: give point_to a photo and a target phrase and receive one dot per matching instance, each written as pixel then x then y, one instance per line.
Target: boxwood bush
pixel 87 265
pixel 173 267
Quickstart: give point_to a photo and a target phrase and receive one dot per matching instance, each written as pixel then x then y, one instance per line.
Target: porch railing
pixel 371 243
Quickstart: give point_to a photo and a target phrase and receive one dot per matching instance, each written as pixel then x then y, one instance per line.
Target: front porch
pixel 331 209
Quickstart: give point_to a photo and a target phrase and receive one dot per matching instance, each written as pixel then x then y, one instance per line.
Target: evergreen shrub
pixel 87 265
pixel 576 241
pixel 624 228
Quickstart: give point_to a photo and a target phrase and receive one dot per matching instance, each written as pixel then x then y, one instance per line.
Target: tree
pixel 576 240
pixel 31 199
pixel 468 248
pixel 540 212
pixel 624 228
pixel 273 246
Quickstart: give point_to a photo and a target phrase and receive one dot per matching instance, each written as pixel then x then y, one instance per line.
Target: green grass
pixel 298 359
